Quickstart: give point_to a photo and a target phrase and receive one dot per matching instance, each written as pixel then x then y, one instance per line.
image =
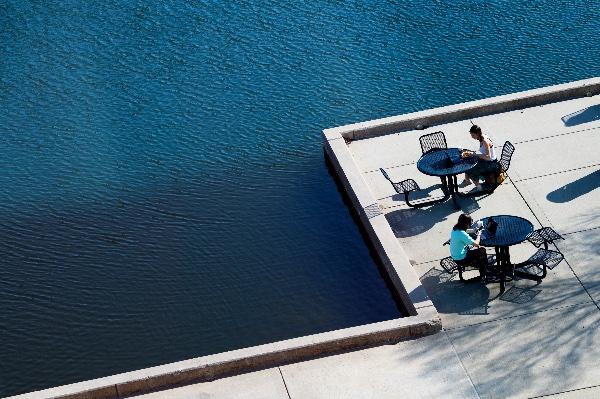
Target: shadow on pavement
pixel 455 296
pixel 410 222
pixel 585 115
pixel 576 188
pixel 519 295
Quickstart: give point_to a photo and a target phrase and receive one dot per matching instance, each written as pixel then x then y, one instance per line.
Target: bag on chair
pixel 495 178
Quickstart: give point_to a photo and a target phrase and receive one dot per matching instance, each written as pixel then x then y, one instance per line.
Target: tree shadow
pixel 585 115
pixel 496 352
pixel 575 189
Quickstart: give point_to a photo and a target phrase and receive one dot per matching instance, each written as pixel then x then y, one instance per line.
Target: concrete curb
pixel 468 110
pixel 208 368
pixel 423 318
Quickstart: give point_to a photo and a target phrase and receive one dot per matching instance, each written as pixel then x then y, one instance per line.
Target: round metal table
pixel 511 230
pixel 446 164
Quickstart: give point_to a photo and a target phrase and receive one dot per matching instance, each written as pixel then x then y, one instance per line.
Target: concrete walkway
pixel 423 368
pixel 535 340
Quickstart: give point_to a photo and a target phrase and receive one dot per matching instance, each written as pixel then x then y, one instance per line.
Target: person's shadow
pixel 576 188
pixel 585 115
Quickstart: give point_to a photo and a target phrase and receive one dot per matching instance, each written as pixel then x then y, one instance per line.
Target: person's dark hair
pixel 476 130
pixel 464 222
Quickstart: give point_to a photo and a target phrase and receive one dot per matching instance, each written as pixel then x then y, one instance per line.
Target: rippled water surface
pixel 163 192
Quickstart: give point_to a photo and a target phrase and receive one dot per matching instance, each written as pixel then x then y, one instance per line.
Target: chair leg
pixel 425 203
pixel 544 271
pixel 406 200
pixel 420 204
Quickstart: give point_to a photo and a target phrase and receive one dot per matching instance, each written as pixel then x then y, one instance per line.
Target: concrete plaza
pixel 536 339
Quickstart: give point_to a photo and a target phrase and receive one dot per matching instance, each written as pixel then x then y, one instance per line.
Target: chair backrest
pixel 544 235
pixel 406 186
pixel 402 187
pixel 433 141
pixel 386 175
pixel 507 151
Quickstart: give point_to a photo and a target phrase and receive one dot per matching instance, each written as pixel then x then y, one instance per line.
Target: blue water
pixel 163 192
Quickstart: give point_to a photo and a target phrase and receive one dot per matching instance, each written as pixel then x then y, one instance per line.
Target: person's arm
pixel 488 150
pixel 468 240
pixel 468 153
pixel 476 242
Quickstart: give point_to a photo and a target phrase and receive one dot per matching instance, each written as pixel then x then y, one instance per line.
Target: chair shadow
pixel 585 115
pixel 575 189
pixel 519 295
pixel 424 194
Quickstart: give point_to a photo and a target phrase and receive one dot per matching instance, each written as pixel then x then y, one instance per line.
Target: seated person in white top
pixel 466 250
pixel 486 159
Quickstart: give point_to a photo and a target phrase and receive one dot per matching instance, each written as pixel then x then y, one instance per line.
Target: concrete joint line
pixel 390 167
pixel 527 203
pixel 558 173
pixel 561 392
pixel 581 231
pixel 553 136
pixel 461 363
pixel 581 283
pixel 520 315
pixel 284 384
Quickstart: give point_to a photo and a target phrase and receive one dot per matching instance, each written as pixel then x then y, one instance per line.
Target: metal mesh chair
pixel 450 266
pixel 544 258
pixel 494 179
pixel 432 142
pixel 545 235
pixel 507 152
pixel 404 187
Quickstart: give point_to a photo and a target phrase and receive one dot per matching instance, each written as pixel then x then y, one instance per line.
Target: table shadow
pixel 410 222
pixel 575 189
pixel 454 296
pixel 585 115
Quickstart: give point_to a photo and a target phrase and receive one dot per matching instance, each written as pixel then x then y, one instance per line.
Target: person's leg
pixel 466 181
pixel 481 256
pixel 489 169
pixel 477 258
pixel 475 173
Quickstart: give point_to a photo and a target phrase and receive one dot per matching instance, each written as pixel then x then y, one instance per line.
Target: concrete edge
pixel 245 360
pixel 404 279
pixel 467 110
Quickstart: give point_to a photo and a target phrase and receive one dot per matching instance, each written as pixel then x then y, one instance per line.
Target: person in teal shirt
pixel 464 249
